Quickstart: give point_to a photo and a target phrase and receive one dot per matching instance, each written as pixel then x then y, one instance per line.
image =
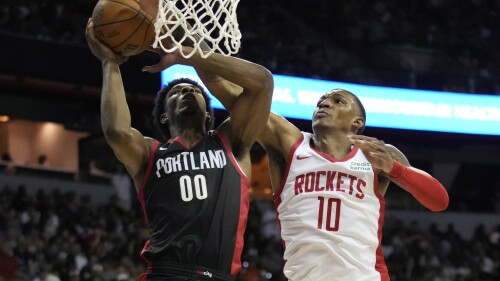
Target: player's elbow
pixel 265 81
pixel 257 82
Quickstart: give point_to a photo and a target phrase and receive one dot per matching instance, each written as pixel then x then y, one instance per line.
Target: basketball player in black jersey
pixel 193 184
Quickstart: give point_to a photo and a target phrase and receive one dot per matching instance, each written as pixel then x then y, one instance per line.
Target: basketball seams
pixel 117 22
pixel 137 10
pixel 123 26
pixel 139 26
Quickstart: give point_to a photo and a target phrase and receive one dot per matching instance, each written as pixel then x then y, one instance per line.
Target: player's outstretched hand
pixel 375 151
pixel 166 61
pixel 101 51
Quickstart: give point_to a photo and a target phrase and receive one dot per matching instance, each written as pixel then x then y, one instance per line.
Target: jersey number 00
pixel 198 183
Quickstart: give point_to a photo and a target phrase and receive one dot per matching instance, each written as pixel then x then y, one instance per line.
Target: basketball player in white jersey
pixel 329 190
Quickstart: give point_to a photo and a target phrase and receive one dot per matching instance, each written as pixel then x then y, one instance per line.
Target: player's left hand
pixel 375 151
pixel 166 60
pixel 98 49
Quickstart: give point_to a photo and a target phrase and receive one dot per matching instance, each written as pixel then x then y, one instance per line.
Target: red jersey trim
pixel 140 192
pixel 380 265
pixel 226 144
pixel 244 206
pixel 328 157
pixel 180 140
pixel 149 268
pixel 277 195
pixel 287 169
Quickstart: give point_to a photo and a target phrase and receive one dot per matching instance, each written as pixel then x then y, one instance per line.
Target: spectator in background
pixel 9 166
pixel 122 184
pixel 43 160
pixel 9 268
pixel 47 274
pixel 6 157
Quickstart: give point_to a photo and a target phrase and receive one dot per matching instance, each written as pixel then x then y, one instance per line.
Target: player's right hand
pixel 101 51
pixel 375 151
pixel 166 60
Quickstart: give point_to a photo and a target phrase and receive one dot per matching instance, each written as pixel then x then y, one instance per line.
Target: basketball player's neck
pixel 334 144
pixel 190 136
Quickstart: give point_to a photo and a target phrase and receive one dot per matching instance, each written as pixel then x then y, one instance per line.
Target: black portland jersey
pixel 195 201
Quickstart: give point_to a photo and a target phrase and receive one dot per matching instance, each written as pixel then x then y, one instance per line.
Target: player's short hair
pixel 159 107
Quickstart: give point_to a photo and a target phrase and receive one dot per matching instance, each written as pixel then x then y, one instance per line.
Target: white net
pixel 207 25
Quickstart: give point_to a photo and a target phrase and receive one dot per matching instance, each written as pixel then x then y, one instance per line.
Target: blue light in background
pixel 386 107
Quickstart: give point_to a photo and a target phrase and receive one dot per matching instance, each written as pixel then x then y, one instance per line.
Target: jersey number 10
pixel 330 223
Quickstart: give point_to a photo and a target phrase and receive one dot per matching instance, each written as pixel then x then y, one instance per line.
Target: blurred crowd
pixel 56 236
pixel 430 44
pixel 413 253
pixel 53 20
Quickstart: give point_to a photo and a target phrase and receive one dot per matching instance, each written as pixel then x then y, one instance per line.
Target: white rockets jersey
pixel 331 216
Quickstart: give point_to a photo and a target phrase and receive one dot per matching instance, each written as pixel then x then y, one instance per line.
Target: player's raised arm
pixel 243 87
pixel 395 166
pixel 127 143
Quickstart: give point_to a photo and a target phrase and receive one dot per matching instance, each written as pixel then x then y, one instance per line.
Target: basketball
pixel 123 26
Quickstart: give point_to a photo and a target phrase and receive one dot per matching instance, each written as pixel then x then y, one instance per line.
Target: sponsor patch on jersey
pixel 360 166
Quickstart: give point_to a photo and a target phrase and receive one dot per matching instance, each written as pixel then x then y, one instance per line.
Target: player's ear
pixel 164 118
pixel 208 117
pixel 359 122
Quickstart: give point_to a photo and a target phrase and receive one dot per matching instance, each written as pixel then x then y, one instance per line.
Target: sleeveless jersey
pixel 331 216
pixel 195 201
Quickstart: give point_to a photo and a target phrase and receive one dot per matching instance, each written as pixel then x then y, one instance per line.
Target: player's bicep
pixel 397 155
pixel 279 135
pixel 131 149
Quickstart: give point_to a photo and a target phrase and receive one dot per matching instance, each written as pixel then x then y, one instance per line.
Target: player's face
pixel 185 101
pixel 336 109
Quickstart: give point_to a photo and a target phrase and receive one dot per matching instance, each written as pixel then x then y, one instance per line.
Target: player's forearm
pixel 425 188
pixel 228 92
pixel 115 114
pixel 246 74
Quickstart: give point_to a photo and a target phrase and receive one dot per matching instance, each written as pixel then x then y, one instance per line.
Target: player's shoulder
pixel 279 135
pixel 397 154
pixel 391 148
pixel 149 141
pixel 282 127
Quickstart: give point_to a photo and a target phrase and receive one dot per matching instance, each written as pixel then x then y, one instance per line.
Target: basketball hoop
pixel 208 23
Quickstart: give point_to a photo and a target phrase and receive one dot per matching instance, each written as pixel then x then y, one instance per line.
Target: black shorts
pixel 164 278
pixel 163 271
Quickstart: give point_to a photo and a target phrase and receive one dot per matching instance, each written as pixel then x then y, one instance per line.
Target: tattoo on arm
pixel 398 155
